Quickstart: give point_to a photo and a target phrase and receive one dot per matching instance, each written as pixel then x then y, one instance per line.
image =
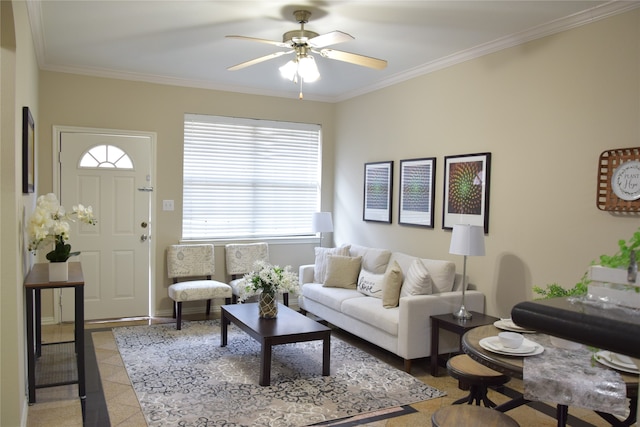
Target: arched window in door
pixel 106 156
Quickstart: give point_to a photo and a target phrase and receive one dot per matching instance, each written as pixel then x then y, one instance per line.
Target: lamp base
pixel 462 314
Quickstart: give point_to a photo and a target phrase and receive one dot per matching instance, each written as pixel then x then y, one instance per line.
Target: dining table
pixel 513 366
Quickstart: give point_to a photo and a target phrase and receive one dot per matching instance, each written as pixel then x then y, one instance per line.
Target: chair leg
pixel 285 298
pixel 208 307
pixel 179 315
pixel 234 299
pixel 174 309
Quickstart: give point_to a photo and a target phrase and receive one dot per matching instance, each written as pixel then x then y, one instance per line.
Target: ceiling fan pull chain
pixel 300 96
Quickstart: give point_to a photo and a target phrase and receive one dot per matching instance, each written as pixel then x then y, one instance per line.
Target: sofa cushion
pixel 330 297
pixel 373 259
pixel 370 310
pixel 442 272
pixel 320 268
pixel 417 281
pixel 391 286
pixel 370 284
pixel 342 271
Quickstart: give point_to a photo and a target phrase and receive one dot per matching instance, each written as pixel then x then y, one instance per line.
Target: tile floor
pixel 59 406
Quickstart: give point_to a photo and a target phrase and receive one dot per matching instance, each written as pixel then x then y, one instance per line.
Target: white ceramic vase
pixel 58 271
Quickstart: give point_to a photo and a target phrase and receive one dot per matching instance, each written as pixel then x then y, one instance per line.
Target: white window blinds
pixel 246 178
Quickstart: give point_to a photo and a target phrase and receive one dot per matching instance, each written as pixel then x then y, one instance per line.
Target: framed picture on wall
pixel 417 192
pixel 378 186
pixel 466 190
pixel 28 152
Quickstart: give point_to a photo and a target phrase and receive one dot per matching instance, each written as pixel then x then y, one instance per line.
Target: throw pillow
pixel 370 284
pixel 443 274
pixel 373 259
pixel 342 271
pixel 320 267
pixel 418 280
pixel 391 286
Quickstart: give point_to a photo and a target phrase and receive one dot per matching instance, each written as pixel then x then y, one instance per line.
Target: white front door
pixel 112 173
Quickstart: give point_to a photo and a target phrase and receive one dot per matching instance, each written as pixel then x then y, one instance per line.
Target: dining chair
pixel 191 267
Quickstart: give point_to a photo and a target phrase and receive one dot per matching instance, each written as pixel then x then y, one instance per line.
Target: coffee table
pixel 288 327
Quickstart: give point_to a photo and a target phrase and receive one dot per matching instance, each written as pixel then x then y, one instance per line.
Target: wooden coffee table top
pixel 288 322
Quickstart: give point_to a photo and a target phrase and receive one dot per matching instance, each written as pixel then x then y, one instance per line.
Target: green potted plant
pixel 612 268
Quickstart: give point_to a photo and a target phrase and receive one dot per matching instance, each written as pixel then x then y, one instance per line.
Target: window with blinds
pixel 246 178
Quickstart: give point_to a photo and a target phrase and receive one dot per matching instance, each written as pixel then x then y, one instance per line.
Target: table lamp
pixel 467 240
pixel 322 223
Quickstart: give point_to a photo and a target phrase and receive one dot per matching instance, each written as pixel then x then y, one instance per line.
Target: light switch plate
pixel 167 205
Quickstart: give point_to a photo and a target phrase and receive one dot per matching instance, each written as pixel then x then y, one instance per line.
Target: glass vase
pixel 268 305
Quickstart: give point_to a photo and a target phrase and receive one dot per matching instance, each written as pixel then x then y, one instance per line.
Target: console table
pixel 36 280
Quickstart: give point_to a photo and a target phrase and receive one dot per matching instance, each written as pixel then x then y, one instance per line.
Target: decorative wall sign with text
pixel 618 187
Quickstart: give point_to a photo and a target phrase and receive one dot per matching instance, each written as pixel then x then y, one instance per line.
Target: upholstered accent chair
pixel 191 267
pixel 240 260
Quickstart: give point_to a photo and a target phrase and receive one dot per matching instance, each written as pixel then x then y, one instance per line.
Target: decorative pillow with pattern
pixel 370 284
pixel 320 267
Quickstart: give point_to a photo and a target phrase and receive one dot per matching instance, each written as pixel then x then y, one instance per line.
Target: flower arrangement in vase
pixel 266 281
pixel 49 223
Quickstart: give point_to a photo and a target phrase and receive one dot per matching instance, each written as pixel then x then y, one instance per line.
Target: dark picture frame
pixel 28 152
pixel 466 190
pixel 378 189
pixel 417 192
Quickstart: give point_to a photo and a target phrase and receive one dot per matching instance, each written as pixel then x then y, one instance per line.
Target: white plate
pixel 508 325
pixel 606 359
pixel 623 360
pixel 528 347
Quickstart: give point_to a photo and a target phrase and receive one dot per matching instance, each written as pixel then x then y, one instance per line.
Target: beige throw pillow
pixel 342 271
pixel 417 281
pixel 391 286
pixel 320 267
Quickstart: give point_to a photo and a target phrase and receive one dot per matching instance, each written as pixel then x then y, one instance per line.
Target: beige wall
pixel 18 88
pixel 74 100
pixel 545 110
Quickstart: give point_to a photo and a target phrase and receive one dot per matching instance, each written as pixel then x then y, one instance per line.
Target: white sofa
pixel 404 330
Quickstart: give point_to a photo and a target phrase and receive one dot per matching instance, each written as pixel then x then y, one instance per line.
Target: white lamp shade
pixel 321 222
pixel 467 240
pixel 304 67
pixel 307 69
pixel 289 70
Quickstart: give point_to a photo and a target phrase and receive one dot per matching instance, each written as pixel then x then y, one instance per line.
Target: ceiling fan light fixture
pixel 289 70
pixel 303 68
pixel 307 69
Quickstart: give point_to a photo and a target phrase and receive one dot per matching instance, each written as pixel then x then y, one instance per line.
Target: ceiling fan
pixel 303 42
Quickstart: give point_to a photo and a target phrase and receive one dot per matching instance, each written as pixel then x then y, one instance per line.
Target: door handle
pixel 143 238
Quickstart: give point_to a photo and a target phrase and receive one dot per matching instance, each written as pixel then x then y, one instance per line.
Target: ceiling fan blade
pixel 334 37
pixel 258 60
pixel 353 58
pixel 253 39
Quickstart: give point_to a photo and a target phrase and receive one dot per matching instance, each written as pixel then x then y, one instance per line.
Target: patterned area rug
pixel 185 378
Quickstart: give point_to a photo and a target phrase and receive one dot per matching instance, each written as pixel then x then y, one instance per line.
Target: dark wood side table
pixel 36 280
pixel 457 326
